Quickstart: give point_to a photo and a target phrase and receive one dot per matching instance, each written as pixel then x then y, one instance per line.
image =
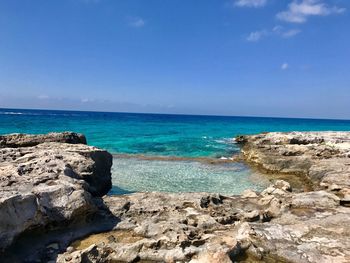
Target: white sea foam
pixel 226 158
pixel 41 114
pixel 11 113
pixel 226 140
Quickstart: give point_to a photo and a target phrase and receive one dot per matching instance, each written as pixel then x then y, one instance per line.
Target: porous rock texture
pixel 275 225
pixel 322 157
pixel 16 140
pixel 48 179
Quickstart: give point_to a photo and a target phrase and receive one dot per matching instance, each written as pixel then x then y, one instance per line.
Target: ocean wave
pixel 41 114
pixel 226 140
pixel 20 113
pixel 11 113
pixel 220 140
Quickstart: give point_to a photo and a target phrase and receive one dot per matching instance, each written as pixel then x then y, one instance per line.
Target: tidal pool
pixel 148 175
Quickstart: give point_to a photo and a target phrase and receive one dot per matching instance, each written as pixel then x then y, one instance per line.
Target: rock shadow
pixel 43 244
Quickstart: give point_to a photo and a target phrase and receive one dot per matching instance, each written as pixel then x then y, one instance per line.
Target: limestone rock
pixel 320 199
pixel 60 182
pixel 44 182
pixel 322 158
pixel 25 140
pixel 248 193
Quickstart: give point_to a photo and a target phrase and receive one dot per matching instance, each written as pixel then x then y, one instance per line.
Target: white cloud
pixel 136 22
pixel 276 31
pixel 284 66
pixel 257 35
pixel 299 10
pixel 290 33
pixel 250 3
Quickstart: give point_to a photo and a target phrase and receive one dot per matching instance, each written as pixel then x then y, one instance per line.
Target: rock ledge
pixel 48 180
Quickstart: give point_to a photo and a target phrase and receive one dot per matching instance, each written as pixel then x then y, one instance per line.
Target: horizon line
pixel 179 114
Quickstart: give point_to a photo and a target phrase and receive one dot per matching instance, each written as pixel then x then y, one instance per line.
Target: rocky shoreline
pixel 322 159
pixel 54 207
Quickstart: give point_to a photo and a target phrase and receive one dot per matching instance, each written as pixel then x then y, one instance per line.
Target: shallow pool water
pixel 142 175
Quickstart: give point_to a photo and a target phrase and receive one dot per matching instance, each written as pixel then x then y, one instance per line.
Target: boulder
pixel 45 182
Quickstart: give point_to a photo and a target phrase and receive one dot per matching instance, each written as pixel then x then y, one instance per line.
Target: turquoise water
pixel 164 135
pixel 190 176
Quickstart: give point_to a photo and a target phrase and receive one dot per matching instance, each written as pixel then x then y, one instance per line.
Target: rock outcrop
pixel 48 180
pixel 275 225
pixel 25 140
pixel 322 157
pixel 57 182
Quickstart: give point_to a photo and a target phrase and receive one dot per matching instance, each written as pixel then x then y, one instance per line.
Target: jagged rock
pixel 50 182
pixel 310 235
pixel 322 158
pixel 306 227
pixel 178 227
pixel 319 199
pixel 275 225
pixel 249 194
pixel 25 140
pixel 251 216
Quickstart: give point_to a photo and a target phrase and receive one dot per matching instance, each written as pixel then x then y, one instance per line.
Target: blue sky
pixel 236 57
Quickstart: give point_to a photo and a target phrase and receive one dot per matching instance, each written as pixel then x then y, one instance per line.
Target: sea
pixel 168 153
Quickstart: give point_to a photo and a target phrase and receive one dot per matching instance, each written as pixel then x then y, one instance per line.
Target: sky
pixel 278 58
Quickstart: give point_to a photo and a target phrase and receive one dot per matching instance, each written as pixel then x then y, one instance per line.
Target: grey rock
pixel 319 199
pixel 25 140
pixel 248 193
pixel 59 183
pixel 321 158
pixel 51 182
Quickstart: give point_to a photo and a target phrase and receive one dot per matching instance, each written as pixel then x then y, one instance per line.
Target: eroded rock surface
pixel 323 157
pixel 275 225
pixel 24 140
pixel 44 182
pixel 188 227
pixel 61 181
pixel 315 228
